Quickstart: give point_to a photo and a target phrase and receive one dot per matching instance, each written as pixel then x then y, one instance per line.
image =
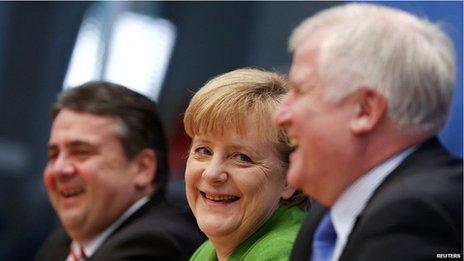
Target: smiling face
pixel 233 184
pixel 319 126
pixel 89 180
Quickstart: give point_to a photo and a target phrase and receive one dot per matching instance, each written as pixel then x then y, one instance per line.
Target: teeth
pixel 72 192
pixel 220 197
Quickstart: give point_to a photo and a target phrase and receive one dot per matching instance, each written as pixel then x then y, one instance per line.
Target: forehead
pixel 255 120
pixel 252 130
pixel 74 125
pixel 305 60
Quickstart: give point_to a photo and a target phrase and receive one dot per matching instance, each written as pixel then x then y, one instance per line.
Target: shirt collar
pixel 92 245
pixel 353 200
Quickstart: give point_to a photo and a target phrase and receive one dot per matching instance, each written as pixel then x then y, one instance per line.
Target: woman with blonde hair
pixel 236 170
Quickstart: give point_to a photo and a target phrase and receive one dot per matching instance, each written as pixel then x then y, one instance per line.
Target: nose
pixel 283 113
pixel 63 167
pixel 215 173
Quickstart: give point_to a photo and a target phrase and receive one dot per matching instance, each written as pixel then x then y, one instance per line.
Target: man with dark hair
pixel 106 178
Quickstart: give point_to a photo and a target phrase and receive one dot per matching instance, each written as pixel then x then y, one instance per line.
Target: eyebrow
pixel 72 144
pixel 247 149
pixel 244 146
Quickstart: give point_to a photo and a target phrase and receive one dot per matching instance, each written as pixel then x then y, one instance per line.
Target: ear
pixel 370 108
pixel 145 167
pixel 288 191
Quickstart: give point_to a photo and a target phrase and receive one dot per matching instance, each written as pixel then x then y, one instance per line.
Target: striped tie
pixel 76 254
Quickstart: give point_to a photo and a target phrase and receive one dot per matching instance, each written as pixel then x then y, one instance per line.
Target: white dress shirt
pixel 353 200
pixel 92 245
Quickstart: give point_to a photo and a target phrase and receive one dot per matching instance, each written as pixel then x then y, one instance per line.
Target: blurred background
pixel 165 50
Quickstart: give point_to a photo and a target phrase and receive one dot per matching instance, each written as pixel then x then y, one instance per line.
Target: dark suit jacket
pixel 415 214
pixel 156 231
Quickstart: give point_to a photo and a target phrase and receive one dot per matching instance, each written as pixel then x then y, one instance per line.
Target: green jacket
pixel 273 241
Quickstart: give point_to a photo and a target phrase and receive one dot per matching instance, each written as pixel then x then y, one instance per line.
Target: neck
pixel 223 251
pixel 369 151
pixel 222 257
pixel 383 147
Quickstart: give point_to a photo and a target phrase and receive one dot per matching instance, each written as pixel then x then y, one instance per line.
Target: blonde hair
pixel 225 102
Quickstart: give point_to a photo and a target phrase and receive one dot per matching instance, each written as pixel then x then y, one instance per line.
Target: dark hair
pixel 137 113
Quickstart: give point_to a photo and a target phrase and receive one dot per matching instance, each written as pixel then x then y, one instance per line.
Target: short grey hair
pixel 410 60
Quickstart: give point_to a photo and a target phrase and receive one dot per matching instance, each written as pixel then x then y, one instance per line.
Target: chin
pixel 215 229
pixel 71 219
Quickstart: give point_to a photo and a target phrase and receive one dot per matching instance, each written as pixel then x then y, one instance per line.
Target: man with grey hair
pixel 372 87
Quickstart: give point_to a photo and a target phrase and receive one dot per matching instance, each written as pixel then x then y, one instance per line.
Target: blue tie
pixel 324 240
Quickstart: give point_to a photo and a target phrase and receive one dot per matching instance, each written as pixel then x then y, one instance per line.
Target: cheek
pixel 89 174
pixel 110 164
pixel 276 186
pixel 192 176
pixel 300 118
pixel 49 179
pixel 261 187
pixel 191 170
pixel 263 198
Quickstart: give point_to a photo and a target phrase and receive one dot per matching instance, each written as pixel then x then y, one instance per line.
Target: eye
pixel 81 152
pixel 299 90
pixel 242 157
pixel 52 154
pixel 202 151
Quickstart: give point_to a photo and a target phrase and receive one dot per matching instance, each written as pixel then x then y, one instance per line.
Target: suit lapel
pixel 63 252
pixel 155 199
pixel 56 247
pixel 426 153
